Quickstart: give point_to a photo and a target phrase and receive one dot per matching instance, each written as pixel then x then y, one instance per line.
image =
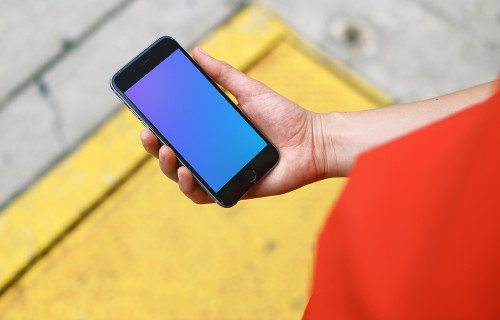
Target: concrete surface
pixel 33 33
pixel 412 49
pixel 31 118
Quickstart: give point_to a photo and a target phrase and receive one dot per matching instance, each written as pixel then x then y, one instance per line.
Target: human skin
pixel 312 146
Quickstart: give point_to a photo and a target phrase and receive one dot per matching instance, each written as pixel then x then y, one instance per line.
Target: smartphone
pixel 172 95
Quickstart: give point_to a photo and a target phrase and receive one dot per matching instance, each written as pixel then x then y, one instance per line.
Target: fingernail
pixel 160 155
pixel 180 179
pixel 203 51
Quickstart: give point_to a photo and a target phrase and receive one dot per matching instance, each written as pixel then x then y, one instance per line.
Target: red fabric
pixel 416 233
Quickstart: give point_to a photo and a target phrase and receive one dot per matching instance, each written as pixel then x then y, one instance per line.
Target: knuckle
pixel 226 66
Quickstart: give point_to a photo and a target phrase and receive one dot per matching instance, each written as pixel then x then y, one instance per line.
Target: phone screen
pixel 196 119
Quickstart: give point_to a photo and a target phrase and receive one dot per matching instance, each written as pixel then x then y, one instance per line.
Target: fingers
pixel 238 83
pixel 168 163
pixel 190 188
pixel 150 142
pixel 171 168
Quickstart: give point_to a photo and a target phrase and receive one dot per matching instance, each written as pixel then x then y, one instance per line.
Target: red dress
pixel 416 233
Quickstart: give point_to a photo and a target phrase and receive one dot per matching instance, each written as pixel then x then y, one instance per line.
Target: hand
pixel 296 132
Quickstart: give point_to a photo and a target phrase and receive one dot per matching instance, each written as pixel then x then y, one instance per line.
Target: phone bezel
pixel 146 61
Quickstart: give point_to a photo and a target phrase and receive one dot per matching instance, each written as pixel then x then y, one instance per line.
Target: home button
pixel 250 175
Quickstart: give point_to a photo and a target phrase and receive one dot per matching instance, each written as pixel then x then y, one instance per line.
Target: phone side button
pixel 145 124
pixel 250 175
pixel 135 114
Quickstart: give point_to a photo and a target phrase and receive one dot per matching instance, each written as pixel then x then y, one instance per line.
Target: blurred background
pixel 56 58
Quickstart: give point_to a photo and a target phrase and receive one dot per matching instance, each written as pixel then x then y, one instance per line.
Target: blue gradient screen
pixel 196 119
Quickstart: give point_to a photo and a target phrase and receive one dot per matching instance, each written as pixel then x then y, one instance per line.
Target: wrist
pixel 331 156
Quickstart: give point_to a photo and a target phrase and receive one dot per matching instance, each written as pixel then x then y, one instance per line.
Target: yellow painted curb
pixel 33 221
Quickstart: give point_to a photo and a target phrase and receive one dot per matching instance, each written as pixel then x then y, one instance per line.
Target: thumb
pixel 238 83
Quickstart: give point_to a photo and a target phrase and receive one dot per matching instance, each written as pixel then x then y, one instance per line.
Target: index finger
pixel 150 142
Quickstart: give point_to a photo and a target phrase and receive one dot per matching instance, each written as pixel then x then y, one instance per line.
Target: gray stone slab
pixel 30 140
pixel 479 18
pixel 401 46
pixel 80 83
pixel 33 31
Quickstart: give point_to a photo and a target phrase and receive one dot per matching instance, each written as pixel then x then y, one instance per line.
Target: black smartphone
pixel 172 95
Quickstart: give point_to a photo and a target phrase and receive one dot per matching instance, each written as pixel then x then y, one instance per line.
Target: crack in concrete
pixel 55 107
pixel 65 50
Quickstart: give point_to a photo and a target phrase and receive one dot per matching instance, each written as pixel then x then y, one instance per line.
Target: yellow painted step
pixel 144 251
pixel 48 208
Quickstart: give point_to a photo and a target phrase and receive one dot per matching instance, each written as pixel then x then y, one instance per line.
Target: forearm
pixel 352 133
